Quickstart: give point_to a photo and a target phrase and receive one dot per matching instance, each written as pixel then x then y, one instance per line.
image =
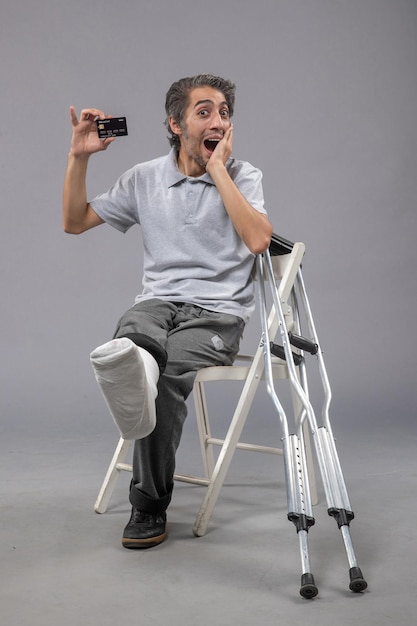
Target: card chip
pixel 112 127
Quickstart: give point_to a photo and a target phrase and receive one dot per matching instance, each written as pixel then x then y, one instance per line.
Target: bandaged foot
pixel 127 375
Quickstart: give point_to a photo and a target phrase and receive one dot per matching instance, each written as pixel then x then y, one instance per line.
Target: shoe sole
pixel 141 544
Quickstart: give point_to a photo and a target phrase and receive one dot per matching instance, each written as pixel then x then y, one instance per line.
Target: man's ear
pixel 174 126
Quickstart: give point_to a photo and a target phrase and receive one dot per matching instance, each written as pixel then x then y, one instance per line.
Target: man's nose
pixel 218 121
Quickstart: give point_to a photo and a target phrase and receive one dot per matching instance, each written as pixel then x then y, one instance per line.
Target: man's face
pixel 205 121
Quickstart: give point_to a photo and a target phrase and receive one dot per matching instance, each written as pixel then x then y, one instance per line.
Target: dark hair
pixel 176 100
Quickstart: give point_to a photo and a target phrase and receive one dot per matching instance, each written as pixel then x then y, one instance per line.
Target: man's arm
pixel 78 215
pixel 253 227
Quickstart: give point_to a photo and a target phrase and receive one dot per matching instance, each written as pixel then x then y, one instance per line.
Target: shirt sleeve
pixel 118 206
pixel 248 179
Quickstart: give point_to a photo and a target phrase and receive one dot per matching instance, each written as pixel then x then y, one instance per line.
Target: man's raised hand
pixel 85 139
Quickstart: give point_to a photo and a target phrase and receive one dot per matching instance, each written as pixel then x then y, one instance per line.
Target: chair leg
pixel 112 474
pixel 203 425
pixel 229 446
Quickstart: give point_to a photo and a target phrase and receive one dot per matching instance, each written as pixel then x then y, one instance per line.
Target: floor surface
pixel 61 563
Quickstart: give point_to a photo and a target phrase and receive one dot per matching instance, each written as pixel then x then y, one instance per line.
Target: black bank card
pixel 111 127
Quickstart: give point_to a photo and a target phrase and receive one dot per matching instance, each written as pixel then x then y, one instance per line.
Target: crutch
pixel 297 482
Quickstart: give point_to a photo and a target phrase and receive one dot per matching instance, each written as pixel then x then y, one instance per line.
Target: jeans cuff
pixel 148 505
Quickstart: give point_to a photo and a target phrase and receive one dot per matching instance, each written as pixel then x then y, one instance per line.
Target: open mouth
pixel 211 144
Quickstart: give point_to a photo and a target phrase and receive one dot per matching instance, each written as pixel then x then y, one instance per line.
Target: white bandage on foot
pixel 127 375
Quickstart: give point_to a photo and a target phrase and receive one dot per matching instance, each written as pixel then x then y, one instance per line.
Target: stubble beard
pixel 193 152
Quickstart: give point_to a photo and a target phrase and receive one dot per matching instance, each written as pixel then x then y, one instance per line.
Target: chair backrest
pixel 286 267
pixel 286 258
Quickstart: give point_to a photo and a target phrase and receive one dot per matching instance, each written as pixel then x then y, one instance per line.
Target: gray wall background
pixel 326 107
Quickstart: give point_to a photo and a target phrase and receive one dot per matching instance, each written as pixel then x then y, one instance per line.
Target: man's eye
pixel 225 113
pixel 203 112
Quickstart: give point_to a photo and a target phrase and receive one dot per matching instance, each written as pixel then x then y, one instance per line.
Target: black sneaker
pixel 144 530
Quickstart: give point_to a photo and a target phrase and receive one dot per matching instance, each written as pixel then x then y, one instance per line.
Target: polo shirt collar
pixel 173 174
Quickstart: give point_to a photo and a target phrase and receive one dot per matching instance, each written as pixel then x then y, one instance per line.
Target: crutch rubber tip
pixel 308 588
pixel 357 581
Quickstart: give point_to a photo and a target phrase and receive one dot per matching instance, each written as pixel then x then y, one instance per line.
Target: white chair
pixel 250 371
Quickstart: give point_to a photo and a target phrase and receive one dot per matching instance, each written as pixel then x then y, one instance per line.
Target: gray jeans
pixel 193 338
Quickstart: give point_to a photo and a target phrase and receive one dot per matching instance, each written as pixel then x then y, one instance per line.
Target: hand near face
pixel 222 151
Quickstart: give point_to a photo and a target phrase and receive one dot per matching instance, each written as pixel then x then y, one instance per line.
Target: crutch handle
pixel 303 344
pixel 279 351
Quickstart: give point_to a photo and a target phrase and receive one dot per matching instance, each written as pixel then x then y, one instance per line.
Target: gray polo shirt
pixel 192 252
